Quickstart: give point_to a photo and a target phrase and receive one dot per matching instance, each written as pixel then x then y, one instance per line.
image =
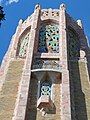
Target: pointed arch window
pixel 48 39
pixel 22 46
pixel 73 44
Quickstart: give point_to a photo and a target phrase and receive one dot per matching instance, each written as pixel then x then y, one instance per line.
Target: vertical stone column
pixel 82 37
pixel 21 103
pixel 65 89
pixel 85 50
pixel 65 96
pixel 63 37
pixel 38 88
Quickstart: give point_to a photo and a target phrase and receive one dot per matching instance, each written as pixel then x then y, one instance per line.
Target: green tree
pixel 2 15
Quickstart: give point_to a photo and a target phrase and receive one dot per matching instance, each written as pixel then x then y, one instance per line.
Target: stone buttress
pixel 45 72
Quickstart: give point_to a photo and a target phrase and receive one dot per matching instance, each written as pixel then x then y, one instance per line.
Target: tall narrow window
pixel 48 39
pixel 23 45
pixel 73 44
pixel 45 88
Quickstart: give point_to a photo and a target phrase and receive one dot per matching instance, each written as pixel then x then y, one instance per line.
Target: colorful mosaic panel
pixel 73 44
pixel 46 88
pixel 46 64
pixel 49 39
pixel 23 45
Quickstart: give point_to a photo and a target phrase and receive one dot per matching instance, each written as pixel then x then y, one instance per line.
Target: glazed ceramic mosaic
pixel 49 39
pixel 23 45
pixel 46 88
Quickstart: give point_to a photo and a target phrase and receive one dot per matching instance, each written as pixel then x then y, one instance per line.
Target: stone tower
pixel 45 72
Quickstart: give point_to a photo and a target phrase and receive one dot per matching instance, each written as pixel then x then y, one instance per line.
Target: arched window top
pixel 73 44
pixel 48 39
pixel 23 43
pixel 72 33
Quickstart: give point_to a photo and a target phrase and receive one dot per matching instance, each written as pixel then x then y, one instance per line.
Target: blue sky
pixel 17 9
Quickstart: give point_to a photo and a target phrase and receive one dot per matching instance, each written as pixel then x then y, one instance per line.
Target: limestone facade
pixel 54 66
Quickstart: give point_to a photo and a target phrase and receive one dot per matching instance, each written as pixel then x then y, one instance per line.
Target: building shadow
pixel 31 109
pixel 53 110
pixel 78 102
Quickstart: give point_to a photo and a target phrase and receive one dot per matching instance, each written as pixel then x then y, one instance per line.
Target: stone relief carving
pixel 46 64
pixel 50 12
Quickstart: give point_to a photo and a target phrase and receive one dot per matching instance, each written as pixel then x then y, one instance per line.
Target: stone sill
pixel 52 70
pixel 47 55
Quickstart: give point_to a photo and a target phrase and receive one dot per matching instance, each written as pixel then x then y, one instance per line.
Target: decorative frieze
pixel 46 64
pixel 49 13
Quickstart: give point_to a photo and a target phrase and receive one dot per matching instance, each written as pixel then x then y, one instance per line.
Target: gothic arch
pixel 24 32
pixel 23 43
pixel 73 29
pixel 73 43
pixel 51 21
pixel 48 38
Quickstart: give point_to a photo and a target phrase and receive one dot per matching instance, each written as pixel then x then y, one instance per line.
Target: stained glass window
pixel 23 45
pixel 73 44
pixel 46 88
pixel 49 39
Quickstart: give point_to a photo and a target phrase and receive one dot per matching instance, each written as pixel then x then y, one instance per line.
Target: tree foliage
pixel 2 15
